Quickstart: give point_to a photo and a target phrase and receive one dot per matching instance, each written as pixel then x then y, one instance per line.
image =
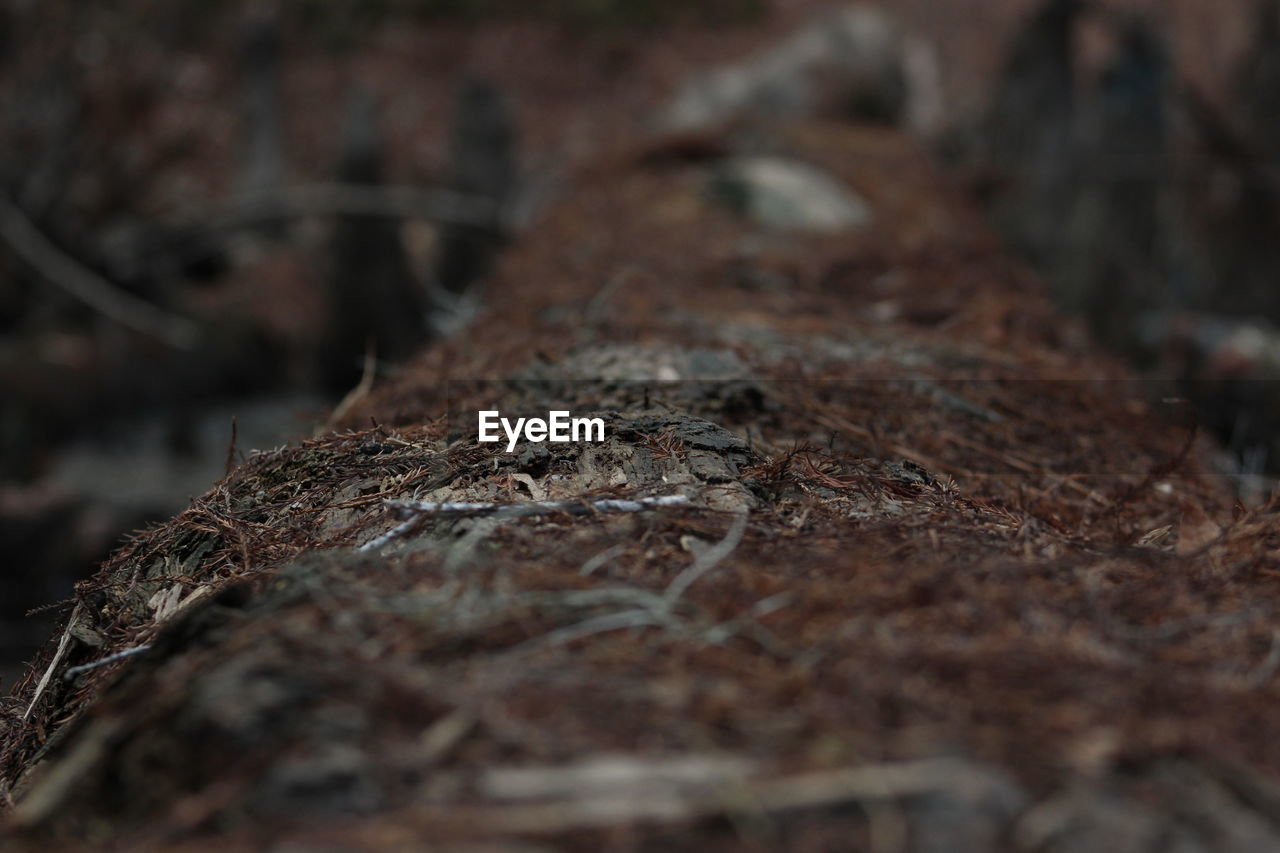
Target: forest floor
pixel 937 575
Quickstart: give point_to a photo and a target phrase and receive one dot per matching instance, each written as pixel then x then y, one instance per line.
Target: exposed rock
pixel 849 63
pixel 646 452
pixel 788 195
pixel 618 362
pixel 709 383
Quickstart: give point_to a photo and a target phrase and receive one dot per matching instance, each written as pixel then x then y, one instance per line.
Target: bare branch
pixel 709 559
pixel 63 643
pixel 397 202
pixel 86 285
pixel 415 509
pixel 73 672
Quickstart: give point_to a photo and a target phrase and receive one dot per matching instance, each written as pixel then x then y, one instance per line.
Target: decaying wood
pixel 904 573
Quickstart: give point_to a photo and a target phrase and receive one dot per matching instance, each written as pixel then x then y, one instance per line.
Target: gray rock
pixel 852 59
pixel 788 195
pixel 640 363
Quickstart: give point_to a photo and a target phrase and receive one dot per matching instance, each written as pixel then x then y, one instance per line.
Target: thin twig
pixel 574 507
pixel 63 643
pixel 363 387
pixel 709 559
pixel 1268 667
pixel 563 803
pixel 595 306
pixel 396 202
pixel 600 559
pixel 618 621
pixel 75 278
pixel 725 631
pixel 1171 629
pixel 456 509
pixel 231 449
pixel 390 536
pixel 74 671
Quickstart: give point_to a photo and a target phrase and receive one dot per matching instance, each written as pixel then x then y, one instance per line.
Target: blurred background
pixel 218 218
